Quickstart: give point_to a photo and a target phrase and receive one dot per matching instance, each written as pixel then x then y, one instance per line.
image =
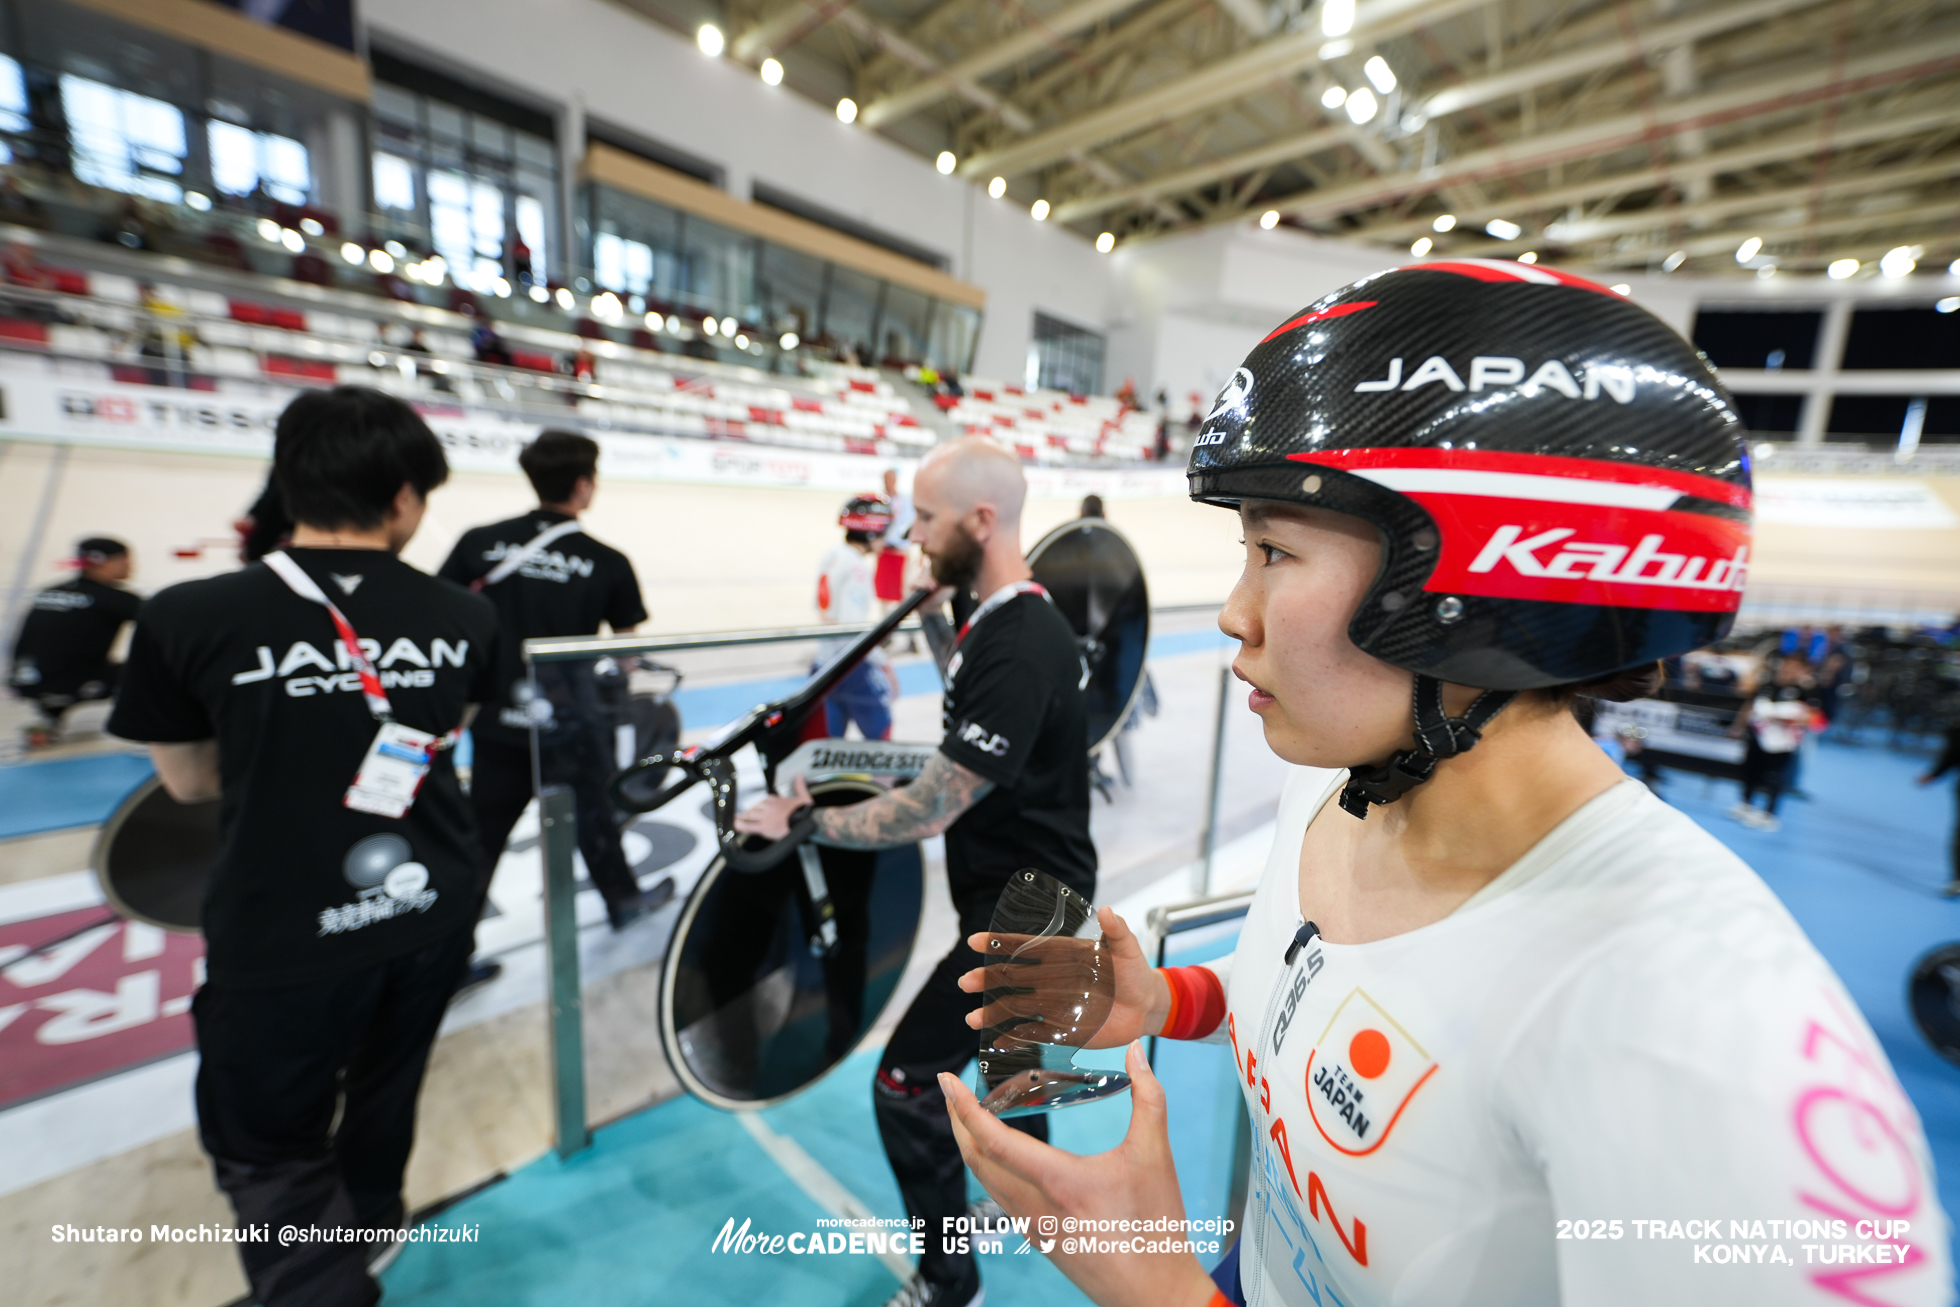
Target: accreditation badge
pixel 391 771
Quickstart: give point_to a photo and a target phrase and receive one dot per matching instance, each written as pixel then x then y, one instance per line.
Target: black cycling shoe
pixel 482 971
pixel 644 904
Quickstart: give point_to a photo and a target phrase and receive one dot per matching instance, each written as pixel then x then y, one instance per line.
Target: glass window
pixel 717 269
pixel 1065 357
pixel 1758 339
pixel 955 331
pixel 241 159
pixel 13 96
pixel 850 313
pixel 790 285
pixel 622 264
pixel 394 182
pixel 903 326
pixel 124 141
pixel 1902 338
pixel 1769 415
pixel 474 189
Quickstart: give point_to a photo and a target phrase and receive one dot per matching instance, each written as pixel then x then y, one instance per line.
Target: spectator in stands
pixel 337 921
pixel 547 577
pixel 61 657
pixel 845 589
pixel 1773 728
pixel 1949 760
pixel 489 346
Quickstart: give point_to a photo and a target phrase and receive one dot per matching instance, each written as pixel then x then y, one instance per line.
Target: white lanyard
pixel 995 600
pixel 524 554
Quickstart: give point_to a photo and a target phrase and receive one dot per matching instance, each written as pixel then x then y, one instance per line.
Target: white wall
pixel 640 76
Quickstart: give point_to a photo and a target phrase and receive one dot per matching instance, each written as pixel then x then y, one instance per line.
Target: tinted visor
pixel 1049 988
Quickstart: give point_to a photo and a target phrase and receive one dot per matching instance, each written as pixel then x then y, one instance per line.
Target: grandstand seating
pixel 162 321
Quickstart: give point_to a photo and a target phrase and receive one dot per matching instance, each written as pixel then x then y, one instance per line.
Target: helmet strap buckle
pixel 1438 736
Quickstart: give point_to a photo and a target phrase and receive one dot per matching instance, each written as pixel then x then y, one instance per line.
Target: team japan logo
pixel 1361 1075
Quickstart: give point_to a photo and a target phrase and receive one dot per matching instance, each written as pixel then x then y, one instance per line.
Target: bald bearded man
pixel 1009 788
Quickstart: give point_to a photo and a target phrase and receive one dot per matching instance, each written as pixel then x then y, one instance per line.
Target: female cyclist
pixel 1510 1030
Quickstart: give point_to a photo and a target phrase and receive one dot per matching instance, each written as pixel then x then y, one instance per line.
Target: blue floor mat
pixel 631 1221
pixel 45 796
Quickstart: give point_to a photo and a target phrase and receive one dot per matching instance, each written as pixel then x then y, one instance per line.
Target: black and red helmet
pixel 1560 482
pixel 871 514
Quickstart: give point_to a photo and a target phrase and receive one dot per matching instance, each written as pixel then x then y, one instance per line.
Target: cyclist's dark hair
pixel 340 457
pixel 556 460
pixel 1640 682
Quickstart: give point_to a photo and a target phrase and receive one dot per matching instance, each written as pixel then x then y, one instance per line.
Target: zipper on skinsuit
pixel 1254 1284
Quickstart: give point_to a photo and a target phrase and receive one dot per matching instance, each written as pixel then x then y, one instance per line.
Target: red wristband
pixel 1218 1299
pixel 1197 1002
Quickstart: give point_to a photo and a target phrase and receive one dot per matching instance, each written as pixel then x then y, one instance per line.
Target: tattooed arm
pixel 938 798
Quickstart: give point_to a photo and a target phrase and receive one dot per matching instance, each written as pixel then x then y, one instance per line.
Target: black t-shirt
pixel 1014 713
pixel 571 586
pixel 302 888
pixel 65 641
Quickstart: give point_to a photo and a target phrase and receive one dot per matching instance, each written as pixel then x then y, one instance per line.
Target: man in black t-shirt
pixel 1009 788
pixel 61 656
pixel 337 921
pixel 548 578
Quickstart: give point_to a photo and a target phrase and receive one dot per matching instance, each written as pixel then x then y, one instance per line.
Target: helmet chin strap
pixel 1438 736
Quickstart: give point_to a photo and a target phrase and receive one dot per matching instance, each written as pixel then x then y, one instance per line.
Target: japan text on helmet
pixel 871 514
pixel 1560 483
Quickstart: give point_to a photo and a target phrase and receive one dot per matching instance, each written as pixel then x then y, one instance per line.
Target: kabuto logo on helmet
pixel 1231 400
pixel 1527 541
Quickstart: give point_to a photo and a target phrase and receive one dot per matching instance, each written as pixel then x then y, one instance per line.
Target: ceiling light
pixel 1749 249
pixel 353 253
pixel 997 187
pixel 1529 256
pixel 1840 269
pixel 564 298
pixel 268 230
pixel 674 324
pixel 1444 222
pixel 1335 49
pixel 1422 246
pixel 710 39
pixel 381 261
pixel 1337 17
pixel 1947 305
pixel 1765 272
pixel 741 342
pixel 1333 97
pixel 1380 74
pixel 790 340
pixel 1105 242
pixel 710 326
pixel 1674 260
pixel 1040 210
pixel 945 163
pixel 1503 229
pixel 502 286
pixel 1765 450
pixel 728 326
pixel 772 72
pixel 1953 268
pixel 1621 288
pixel 655 322
pixel 540 294
pixel 847 110
pixel 311 226
pixel 198 200
pixel 1269 219
pixel 606 306
pixel 1361 104
pixel 395 248
pixel 292 240
pixel 1898 262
